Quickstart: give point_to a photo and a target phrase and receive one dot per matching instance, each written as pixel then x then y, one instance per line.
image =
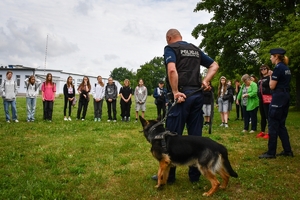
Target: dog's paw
pixel 159 187
pixel 206 194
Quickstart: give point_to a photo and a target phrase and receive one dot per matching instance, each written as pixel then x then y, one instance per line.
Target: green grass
pixel 101 160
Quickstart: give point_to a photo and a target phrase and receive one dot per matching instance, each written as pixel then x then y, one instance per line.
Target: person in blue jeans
pixel 183 62
pixel 32 90
pixel 9 93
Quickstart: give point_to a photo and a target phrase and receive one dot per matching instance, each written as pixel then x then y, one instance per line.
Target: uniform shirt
pixel 170 56
pixel 282 75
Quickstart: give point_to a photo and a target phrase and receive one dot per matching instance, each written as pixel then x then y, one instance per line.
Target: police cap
pixel 277 51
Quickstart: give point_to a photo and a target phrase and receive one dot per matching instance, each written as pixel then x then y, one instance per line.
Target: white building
pixel 20 73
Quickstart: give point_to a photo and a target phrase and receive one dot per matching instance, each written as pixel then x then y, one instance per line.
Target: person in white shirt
pixel 98 93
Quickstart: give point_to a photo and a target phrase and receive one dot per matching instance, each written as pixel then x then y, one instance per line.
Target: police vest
pixel 188 60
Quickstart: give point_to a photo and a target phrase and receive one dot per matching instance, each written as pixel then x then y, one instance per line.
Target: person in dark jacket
pixel 264 88
pixel 125 101
pixel 69 94
pixel 83 89
pixel 207 99
pixel 111 94
pixel 161 101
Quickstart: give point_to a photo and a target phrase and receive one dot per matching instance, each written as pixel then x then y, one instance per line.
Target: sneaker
pixel 28 120
pixel 114 120
pixel 266 155
pixel 8 121
pixel 108 120
pixel 260 135
pixel 222 124
pixel 283 153
pixel 226 125
pixel 136 121
pixel 252 131
pixel 69 119
pixel 266 136
pixel 95 119
pixel 128 119
pixel 99 119
pixel 16 120
pixel 82 119
pixel 244 131
pixel 32 120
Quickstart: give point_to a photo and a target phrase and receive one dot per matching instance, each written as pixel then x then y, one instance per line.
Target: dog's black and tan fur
pixel 208 156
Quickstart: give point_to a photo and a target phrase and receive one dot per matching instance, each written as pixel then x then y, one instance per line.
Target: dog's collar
pixel 162 138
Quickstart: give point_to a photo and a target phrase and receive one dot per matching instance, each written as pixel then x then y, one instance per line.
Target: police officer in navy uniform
pixel 279 107
pixel 183 62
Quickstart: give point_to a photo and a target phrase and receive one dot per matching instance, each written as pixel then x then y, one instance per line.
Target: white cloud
pixel 91 36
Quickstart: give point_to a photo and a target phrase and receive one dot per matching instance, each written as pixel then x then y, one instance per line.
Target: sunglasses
pixel 263 69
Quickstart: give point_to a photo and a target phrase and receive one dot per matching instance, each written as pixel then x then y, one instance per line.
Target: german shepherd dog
pixel 170 149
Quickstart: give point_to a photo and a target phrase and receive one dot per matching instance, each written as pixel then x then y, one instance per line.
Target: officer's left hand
pixel 180 97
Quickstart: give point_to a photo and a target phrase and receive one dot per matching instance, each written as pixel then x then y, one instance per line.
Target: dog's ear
pixel 143 121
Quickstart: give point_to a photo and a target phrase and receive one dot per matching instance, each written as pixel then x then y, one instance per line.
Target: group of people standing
pixel 99 93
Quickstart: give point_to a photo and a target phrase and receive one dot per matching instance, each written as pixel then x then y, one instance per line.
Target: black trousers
pixel 112 106
pixel 82 104
pixel 65 106
pixel 238 108
pixel 264 113
pixel 161 107
pixel 125 109
pixel 48 109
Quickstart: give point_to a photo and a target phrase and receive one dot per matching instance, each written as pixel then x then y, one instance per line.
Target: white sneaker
pixel 95 119
pixel 16 121
pixel 8 121
pixel 82 119
pixel 108 120
pixel 115 120
pixel 99 119
pixel 252 131
pixel 226 125
pixel 244 131
pixel 222 124
pixel 65 119
pixel 69 119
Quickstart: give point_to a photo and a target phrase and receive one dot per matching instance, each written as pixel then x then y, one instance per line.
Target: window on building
pixel 26 76
pixel 78 82
pixel 18 77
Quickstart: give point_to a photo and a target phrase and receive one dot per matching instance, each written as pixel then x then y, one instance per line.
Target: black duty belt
pixel 186 88
pixel 281 90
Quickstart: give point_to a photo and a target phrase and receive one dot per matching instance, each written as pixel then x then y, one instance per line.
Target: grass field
pixel 101 160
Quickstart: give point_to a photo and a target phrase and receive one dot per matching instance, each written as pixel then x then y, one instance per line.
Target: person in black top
pixel 69 94
pixel 238 107
pixel 264 88
pixel 125 101
pixel 161 101
pixel 182 61
pixel 279 107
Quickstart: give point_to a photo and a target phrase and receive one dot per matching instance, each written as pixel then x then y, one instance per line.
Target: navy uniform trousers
pixel 278 112
pixel 189 113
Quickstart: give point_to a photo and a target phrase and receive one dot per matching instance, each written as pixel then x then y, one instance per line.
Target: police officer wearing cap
pixel 279 107
pixel 183 62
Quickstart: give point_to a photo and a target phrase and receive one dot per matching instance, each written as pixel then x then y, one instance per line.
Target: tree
pixel 237 29
pixel 122 73
pixel 152 72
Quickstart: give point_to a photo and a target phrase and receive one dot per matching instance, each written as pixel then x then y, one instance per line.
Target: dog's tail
pixel 228 167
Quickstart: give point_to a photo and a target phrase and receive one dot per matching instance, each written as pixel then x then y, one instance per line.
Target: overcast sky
pixel 91 37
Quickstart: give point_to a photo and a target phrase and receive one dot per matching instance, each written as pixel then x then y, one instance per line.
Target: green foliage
pixel 241 33
pixel 122 73
pixel 152 72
